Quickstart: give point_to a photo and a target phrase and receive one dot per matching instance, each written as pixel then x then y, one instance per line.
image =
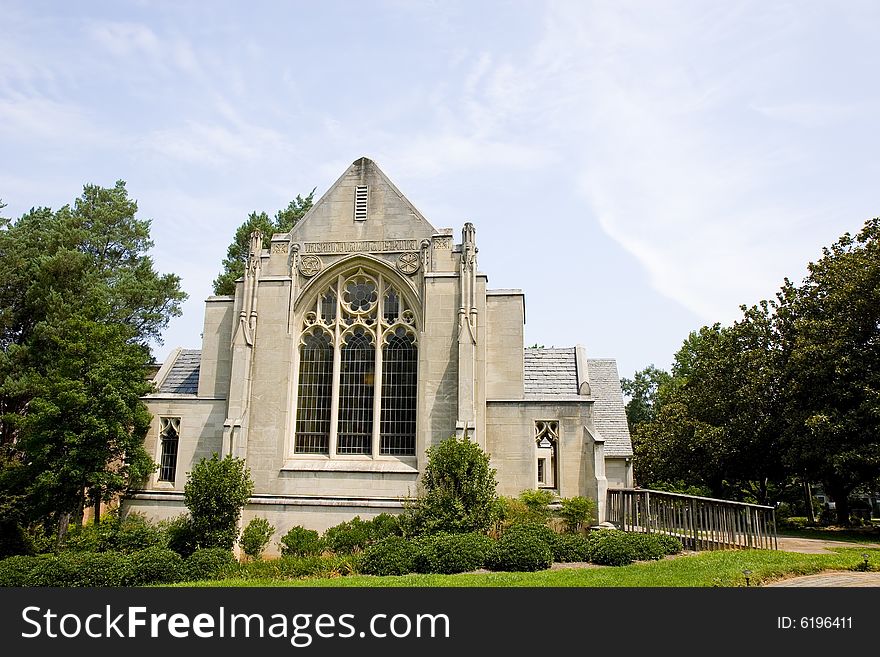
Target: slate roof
pixel 183 377
pixel 552 374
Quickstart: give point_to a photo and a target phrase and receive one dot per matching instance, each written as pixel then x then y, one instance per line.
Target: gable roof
pixel 552 374
pixel 390 214
pixel 183 377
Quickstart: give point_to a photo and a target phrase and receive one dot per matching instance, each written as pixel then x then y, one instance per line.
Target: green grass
pixel 865 535
pixel 722 568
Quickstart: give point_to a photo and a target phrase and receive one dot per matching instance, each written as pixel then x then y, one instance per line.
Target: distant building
pixel 355 342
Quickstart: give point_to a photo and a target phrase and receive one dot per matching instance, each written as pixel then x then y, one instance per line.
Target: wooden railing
pixel 702 523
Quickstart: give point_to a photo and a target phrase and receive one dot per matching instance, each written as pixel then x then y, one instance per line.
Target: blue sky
pixel 638 168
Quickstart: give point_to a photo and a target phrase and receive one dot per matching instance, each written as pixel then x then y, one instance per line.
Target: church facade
pixel 354 343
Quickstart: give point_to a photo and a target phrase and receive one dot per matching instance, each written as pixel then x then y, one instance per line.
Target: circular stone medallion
pixel 309 265
pixel 409 263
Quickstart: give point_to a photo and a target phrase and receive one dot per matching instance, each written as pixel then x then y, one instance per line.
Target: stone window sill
pixel 349 465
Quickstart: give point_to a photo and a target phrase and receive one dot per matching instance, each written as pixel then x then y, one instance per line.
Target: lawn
pixel 861 535
pixel 721 568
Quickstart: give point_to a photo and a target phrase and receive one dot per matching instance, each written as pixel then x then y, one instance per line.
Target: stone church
pixel 354 343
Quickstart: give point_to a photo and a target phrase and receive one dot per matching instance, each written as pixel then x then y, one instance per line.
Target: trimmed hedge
pixel 208 563
pixel 611 547
pixel 81 569
pixel 569 548
pixel 16 571
pixel 519 552
pixel 537 530
pixel 155 565
pixel 453 553
pixel 301 542
pixel 392 556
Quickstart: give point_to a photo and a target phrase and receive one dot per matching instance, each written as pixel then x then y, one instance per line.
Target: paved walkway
pixel 829 578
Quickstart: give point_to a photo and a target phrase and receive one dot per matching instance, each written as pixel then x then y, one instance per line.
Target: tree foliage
pixel 80 303
pixel 790 391
pixel 237 253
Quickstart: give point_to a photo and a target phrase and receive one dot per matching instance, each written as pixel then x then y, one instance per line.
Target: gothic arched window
pixel 358 370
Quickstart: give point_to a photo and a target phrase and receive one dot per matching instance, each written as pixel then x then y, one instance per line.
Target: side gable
pixel 552 374
pixel 181 377
pixel 389 214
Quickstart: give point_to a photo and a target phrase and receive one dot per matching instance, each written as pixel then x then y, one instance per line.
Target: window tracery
pixel 358 362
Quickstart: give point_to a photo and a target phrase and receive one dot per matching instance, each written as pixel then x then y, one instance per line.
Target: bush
pixel 570 548
pixel 646 547
pixel 669 544
pixel 81 569
pixel 541 532
pixel 383 526
pixel 348 537
pixel 215 493
pixel 208 563
pixel 155 565
pixel 453 553
pixel 392 556
pixel 255 537
pixel 15 571
pixel 577 513
pixel 537 504
pixel 519 552
pixel 609 547
pixel 129 534
pixel 459 490
pixel 300 542
pixel 180 535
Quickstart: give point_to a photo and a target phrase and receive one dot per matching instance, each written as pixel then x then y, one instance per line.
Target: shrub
pixel 669 544
pixel 180 535
pixel 453 553
pixel 15 571
pixel 129 534
pixel 569 548
pixel 537 504
pixel 255 537
pixel 519 552
pixel 610 547
pixel 136 533
pixel 81 569
pixel 348 537
pixel 646 547
pixel 215 493
pixel 208 563
pixel 300 542
pixel 155 565
pixel 392 556
pixel 539 531
pixel 383 526
pixel 458 490
pixel 577 513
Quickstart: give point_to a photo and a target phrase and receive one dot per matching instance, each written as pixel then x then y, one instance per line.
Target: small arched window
pixel 358 370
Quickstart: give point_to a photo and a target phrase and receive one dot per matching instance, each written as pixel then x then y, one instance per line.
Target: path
pixel 846 578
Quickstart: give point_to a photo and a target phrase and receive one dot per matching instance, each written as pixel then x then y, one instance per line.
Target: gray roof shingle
pixel 552 373
pixel 549 372
pixel 183 377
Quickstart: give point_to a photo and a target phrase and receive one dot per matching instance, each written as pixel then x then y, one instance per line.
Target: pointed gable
pixel 362 205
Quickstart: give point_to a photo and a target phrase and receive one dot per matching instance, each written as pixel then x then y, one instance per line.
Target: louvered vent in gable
pixel 360 202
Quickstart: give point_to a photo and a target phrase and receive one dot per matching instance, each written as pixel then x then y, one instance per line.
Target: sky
pixel 639 169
